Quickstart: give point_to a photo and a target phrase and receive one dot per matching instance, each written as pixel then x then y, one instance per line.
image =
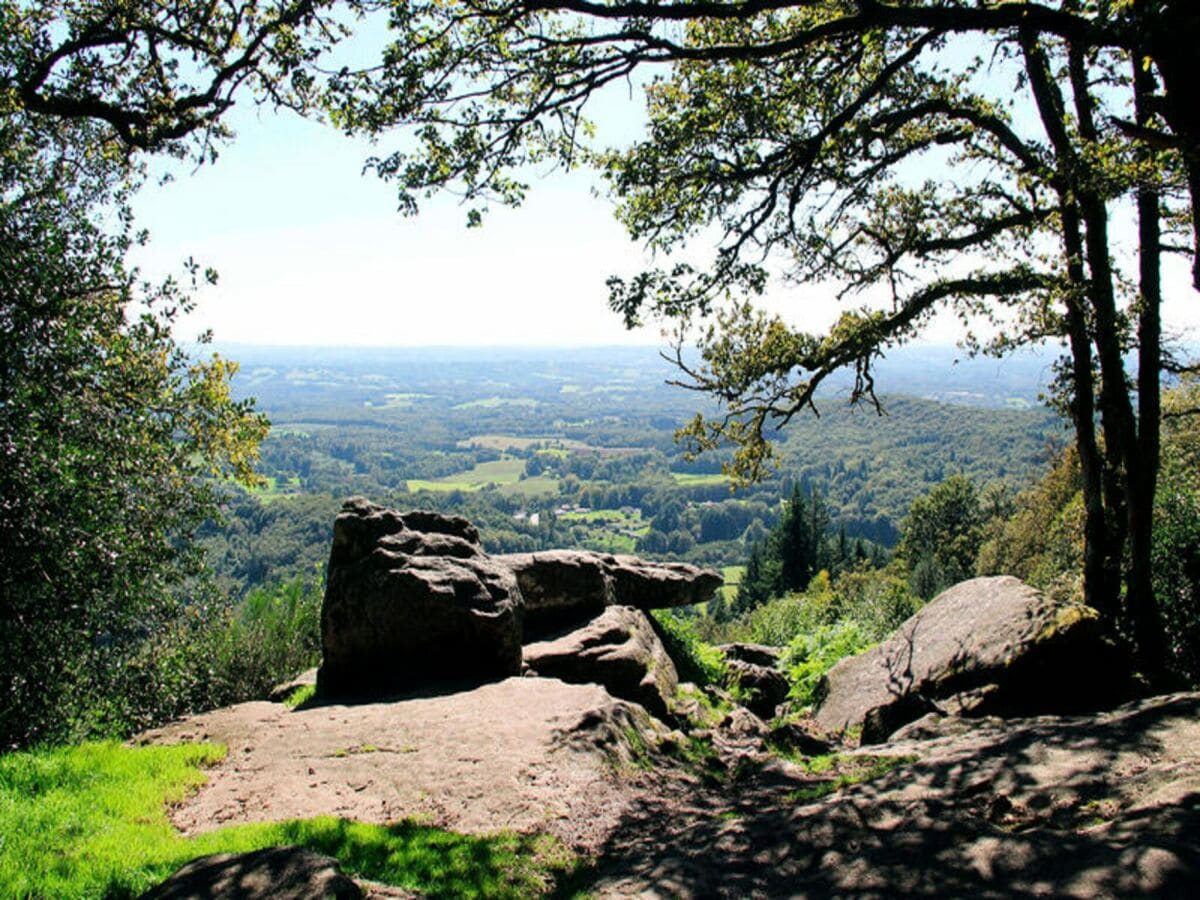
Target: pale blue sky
pixel 312 251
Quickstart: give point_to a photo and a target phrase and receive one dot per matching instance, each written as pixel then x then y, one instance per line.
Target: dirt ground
pixel 1094 806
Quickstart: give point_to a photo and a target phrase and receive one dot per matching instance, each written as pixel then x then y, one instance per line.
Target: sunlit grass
pixel 90 821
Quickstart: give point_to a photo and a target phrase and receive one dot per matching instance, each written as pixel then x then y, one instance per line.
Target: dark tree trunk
pixel 1101 585
pixel 1170 34
pixel 1145 616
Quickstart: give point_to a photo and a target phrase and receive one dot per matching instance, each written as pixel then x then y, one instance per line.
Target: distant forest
pixel 550 448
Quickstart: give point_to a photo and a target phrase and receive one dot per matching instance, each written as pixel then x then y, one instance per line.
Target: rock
pixel 795 738
pixel 282 691
pixel 879 723
pixel 564 587
pixel 660 585
pixel 988 646
pixel 274 872
pixel 620 650
pixel 560 587
pixel 760 689
pixel 361 526
pixel 758 654
pixel 741 733
pixel 413 607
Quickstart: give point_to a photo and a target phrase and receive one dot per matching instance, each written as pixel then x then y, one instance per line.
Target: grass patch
pixel 504 474
pixel 90 821
pixel 497 402
pixel 697 662
pixel 733 580
pixel 839 770
pixel 300 696
pixel 689 479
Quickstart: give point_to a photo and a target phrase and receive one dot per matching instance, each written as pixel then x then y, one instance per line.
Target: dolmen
pixel 412 600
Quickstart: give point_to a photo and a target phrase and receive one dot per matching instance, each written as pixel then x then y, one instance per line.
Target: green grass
pixel 733 579
pixel 274 488
pixel 688 479
pixel 90 821
pixel 503 473
pixel 496 402
pixel 300 696
pixel 841 770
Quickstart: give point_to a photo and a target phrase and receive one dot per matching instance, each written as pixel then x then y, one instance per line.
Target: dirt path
pixel 1105 805
pixel 524 754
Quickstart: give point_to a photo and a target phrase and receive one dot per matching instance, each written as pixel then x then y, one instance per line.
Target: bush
pixel 809 656
pixel 212 656
pixel 696 661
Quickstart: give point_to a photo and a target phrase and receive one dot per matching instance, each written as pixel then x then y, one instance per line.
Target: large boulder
pixel 562 587
pixel 660 585
pixel 988 646
pixel 412 599
pixel 758 688
pixel 619 650
pixel 274 872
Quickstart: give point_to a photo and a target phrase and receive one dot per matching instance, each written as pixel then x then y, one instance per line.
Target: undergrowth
pixel 696 661
pixel 90 821
pixel 836 771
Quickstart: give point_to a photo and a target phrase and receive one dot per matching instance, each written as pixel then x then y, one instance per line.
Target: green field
pixel 690 478
pixel 733 579
pixel 504 474
pixel 276 487
pixel 497 402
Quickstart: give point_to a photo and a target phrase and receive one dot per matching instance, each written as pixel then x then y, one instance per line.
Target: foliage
pixel 115 439
pixel 90 821
pixel 942 534
pixel 1041 540
pixel 1177 530
pixel 695 660
pixel 810 656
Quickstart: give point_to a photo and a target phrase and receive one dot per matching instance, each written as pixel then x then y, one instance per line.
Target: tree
pixel 114 441
pixel 799 131
pixel 942 536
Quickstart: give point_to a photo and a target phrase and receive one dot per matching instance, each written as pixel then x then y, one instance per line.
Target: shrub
pixel 809 656
pixel 696 661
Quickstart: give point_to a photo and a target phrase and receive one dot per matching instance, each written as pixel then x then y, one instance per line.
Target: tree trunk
pixel 1145 616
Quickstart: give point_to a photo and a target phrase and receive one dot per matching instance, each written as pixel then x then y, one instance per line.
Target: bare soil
pixel 1090 806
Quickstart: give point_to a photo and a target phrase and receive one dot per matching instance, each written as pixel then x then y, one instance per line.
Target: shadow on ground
pixel 1105 805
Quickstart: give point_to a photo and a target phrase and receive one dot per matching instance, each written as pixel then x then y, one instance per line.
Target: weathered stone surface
pixel 565 586
pixel 619 650
pixel 660 585
pixel 796 738
pixel 560 587
pixel 985 646
pixel 741 734
pixel 362 526
pixel 759 688
pixel 275 872
pixel 758 654
pixel 405 607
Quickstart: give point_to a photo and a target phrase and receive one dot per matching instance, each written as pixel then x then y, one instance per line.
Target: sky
pixel 311 251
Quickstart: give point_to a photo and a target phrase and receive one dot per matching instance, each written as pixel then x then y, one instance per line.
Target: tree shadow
pixel 1018 809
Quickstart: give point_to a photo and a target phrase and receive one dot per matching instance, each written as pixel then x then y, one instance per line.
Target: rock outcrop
pixel 759 688
pixel 565 586
pixel 757 654
pixel 274 872
pixel 412 599
pixel 619 650
pixel 985 646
